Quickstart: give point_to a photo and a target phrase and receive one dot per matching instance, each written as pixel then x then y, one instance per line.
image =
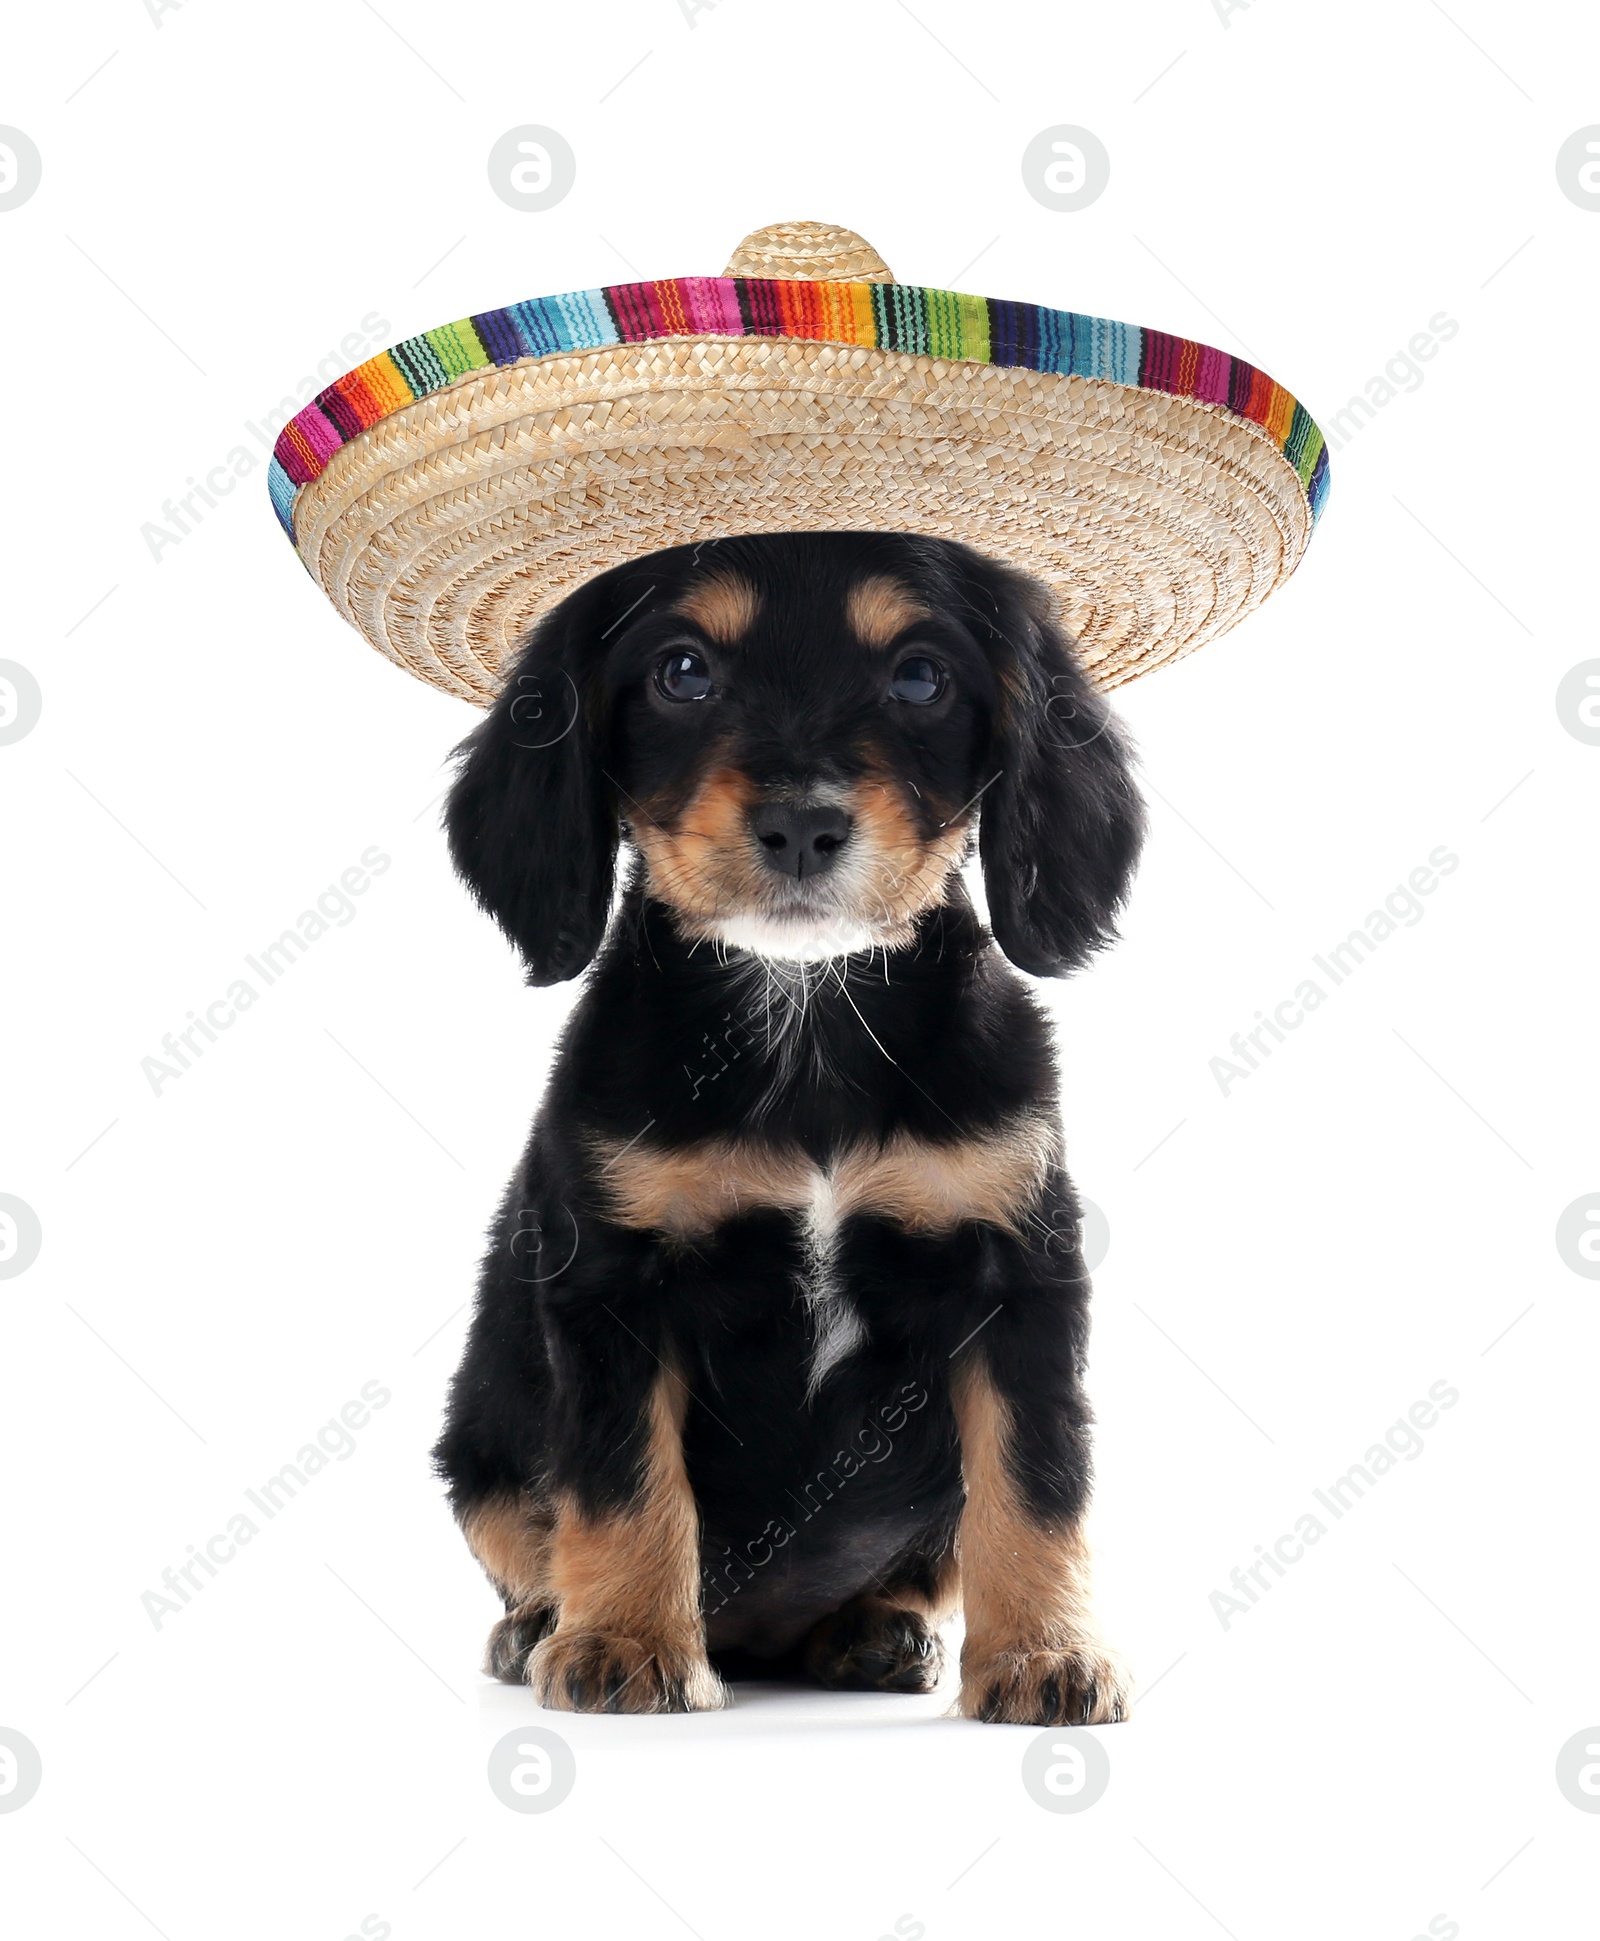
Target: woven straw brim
pixel 445 530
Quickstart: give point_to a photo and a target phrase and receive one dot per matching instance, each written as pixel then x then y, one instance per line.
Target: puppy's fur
pixel 779 1338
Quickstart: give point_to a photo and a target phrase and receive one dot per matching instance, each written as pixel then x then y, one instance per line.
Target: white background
pixel 1373 1745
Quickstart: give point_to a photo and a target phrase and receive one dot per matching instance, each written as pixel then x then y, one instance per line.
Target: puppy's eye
pixel 683 675
pixel 917 680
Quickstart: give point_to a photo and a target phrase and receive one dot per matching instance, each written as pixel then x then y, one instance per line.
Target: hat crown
pixel 810 252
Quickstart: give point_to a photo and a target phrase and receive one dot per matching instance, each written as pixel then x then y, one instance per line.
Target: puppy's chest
pixel 687 1191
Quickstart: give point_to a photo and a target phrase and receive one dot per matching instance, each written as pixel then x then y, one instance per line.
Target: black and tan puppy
pixel 780 1336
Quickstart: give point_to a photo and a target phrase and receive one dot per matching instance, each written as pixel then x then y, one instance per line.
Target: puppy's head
pixel 798 733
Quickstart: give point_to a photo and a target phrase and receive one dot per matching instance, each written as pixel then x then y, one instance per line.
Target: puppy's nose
pixel 800 842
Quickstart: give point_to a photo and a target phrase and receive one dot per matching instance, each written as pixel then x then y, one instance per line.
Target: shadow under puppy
pixel 780 1334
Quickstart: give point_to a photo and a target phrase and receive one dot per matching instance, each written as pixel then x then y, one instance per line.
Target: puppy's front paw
pixel 1080 1684
pixel 595 1671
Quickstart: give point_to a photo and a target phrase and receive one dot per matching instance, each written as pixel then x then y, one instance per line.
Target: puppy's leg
pixel 626 1583
pixel 1033 1655
pixel 886 1639
pixel 509 1534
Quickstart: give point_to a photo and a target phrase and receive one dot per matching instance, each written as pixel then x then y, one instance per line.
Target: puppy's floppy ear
pixel 531 820
pixel 1059 831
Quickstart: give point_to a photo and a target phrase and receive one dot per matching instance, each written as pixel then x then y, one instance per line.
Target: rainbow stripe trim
pixel 876 316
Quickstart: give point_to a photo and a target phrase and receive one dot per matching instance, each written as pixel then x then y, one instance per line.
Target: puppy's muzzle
pixel 801 842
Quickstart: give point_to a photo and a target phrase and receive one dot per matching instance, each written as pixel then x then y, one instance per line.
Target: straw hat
pixel 449 491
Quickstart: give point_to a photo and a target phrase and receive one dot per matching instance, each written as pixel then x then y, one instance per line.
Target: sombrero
pixel 449 491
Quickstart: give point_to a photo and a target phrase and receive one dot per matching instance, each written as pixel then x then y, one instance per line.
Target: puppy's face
pixel 798 732
pixel 798 727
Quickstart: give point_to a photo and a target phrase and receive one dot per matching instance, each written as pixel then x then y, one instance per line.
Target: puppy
pixel 779 1340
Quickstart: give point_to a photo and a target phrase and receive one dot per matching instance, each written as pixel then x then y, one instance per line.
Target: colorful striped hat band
pixel 448 492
